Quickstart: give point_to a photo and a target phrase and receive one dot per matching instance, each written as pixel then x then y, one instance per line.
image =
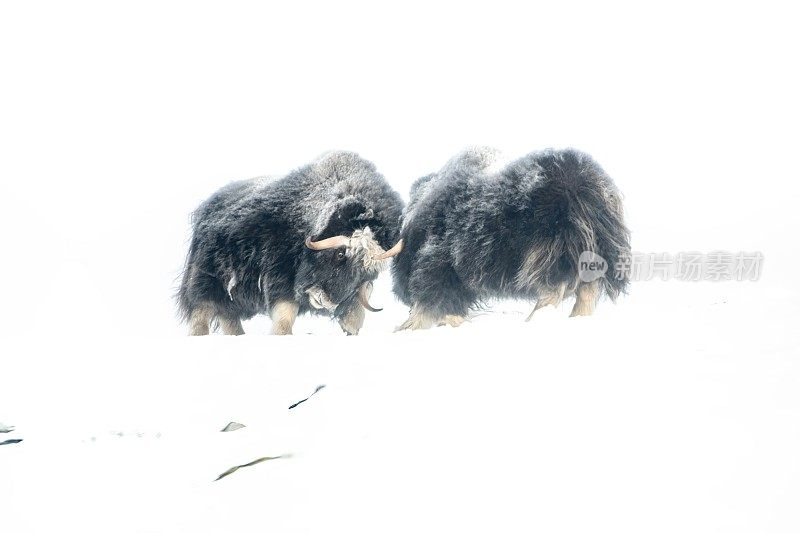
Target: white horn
pixel 330 242
pixel 393 251
pixel 363 297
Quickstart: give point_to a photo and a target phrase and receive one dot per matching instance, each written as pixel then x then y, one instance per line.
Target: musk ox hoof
pixel 585 299
pixel 452 320
pixel 422 320
pixel 411 325
pixel 231 326
pixel 349 331
pixel 418 319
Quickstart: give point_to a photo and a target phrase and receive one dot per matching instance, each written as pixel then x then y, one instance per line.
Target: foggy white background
pixel 118 119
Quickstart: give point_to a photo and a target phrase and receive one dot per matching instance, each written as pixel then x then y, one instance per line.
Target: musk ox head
pixel 342 268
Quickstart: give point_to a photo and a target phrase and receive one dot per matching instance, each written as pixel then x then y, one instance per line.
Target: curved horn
pixel 393 251
pixel 363 297
pixel 330 242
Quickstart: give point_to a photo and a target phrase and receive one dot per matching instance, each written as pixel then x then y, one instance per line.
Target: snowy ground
pixel 663 413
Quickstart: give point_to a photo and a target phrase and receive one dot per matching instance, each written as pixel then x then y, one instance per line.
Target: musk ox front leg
pixel 352 317
pixel 439 295
pixel 420 318
pixel 548 297
pixel 352 320
pixel 283 314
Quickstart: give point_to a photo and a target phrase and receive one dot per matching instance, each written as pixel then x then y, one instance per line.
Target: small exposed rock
pixel 233 426
pixel 230 471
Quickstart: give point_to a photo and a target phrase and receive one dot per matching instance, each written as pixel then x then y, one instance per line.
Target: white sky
pixel 116 121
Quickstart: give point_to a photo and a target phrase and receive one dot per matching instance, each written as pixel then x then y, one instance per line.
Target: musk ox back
pixel 312 241
pixel 473 231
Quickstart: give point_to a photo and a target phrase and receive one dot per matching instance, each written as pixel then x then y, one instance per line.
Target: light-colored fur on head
pixel 363 244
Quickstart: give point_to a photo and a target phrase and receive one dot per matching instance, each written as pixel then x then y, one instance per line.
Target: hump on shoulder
pixel 341 165
pixel 474 160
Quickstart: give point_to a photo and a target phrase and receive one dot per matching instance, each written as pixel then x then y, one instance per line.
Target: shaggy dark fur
pixel 472 233
pixel 247 250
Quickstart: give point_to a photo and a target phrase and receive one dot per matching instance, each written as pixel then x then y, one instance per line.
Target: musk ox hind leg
pixel 283 314
pixel 231 326
pixel 548 298
pixel 586 296
pixel 200 319
pixel 452 320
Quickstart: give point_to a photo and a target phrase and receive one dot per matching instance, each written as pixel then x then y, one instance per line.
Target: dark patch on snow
pixel 306 399
pixel 230 471
pixel 10 441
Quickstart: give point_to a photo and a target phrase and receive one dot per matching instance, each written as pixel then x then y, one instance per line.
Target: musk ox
pixel 312 241
pixel 543 228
